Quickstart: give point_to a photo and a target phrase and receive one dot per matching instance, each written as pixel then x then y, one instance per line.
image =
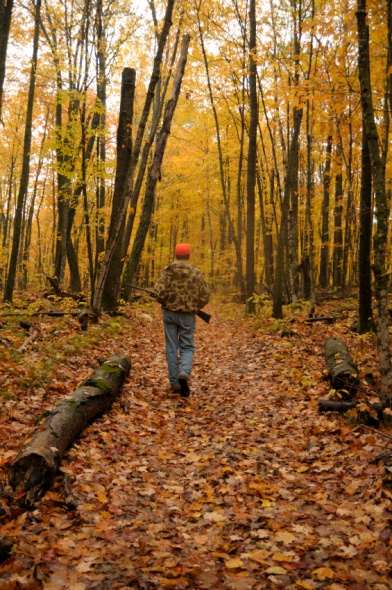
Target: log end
pixel 32 474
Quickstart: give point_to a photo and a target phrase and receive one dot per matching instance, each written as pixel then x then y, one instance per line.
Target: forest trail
pixel 242 486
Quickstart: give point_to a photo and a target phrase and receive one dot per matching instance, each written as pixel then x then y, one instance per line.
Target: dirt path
pixel 242 486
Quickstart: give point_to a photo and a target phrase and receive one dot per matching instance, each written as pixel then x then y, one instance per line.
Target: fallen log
pixel 30 340
pixel 322 318
pixel 365 413
pixel 342 371
pixel 326 405
pixel 36 465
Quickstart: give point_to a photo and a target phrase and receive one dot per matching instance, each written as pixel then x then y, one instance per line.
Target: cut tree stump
pixel 342 371
pixel 36 465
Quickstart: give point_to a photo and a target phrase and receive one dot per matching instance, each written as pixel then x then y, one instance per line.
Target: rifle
pixel 203 315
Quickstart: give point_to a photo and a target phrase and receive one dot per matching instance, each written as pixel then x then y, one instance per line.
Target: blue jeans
pixel 179 332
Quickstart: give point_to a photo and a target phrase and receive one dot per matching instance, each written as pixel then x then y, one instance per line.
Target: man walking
pixel 182 291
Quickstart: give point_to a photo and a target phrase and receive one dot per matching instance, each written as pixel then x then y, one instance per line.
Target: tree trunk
pixel 338 216
pixel 29 225
pixel 5 24
pixel 380 240
pixel 101 151
pixel 277 311
pixel 24 180
pixel 324 253
pixel 250 305
pixel 349 220
pixel 75 284
pixel 122 209
pixel 160 96
pixel 111 289
pixel 365 314
pixel 234 237
pixel 155 170
pixel 309 221
pixel 267 236
pixel 36 465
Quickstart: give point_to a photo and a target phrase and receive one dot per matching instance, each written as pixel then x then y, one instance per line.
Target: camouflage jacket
pixel 182 287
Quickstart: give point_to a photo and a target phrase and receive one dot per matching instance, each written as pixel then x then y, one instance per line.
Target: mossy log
pixel 342 371
pixel 36 465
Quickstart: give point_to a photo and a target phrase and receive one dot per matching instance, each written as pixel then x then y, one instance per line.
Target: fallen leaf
pixel 276 569
pixel 234 563
pixel 323 573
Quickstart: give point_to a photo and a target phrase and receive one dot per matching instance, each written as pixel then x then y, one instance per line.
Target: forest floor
pixel 244 485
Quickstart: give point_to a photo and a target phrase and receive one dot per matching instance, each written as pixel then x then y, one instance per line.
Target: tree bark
pixel 342 371
pixel 324 252
pixel 337 216
pixel 24 180
pixel 365 314
pixel 101 151
pixel 5 24
pixel 277 311
pixel 250 305
pixel 111 289
pixel 380 240
pixel 36 465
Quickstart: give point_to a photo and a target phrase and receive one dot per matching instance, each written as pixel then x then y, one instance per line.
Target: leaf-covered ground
pixel 245 485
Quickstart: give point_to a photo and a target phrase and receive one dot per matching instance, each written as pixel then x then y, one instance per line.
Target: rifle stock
pixel 203 315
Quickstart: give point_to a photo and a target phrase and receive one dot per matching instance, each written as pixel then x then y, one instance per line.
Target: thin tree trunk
pixel 122 210
pixel 221 165
pixel 365 314
pixel 9 200
pixel 28 233
pixel 380 240
pixel 310 264
pixel 252 159
pixel 349 221
pixel 277 310
pixel 101 152
pixel 24 180
pixel 324 252
pixel 155 170
pixel 156 117
pixel 5 24
pixel 266 231
pixel 338 216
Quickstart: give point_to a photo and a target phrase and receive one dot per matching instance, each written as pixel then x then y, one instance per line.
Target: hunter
pixel 182 291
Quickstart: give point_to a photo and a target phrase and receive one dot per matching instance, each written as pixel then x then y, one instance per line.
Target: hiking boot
pixel 184 385
pixel 175 388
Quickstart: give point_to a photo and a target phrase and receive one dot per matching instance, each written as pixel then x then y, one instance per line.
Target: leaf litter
pixel 243 485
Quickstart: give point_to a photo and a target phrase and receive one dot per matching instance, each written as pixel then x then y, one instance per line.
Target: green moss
pixel 41 417
pixel 100 383
pixel 6 395
pixel 107 368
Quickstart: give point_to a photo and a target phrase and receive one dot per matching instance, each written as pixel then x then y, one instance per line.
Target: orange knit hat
pixel 182 250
